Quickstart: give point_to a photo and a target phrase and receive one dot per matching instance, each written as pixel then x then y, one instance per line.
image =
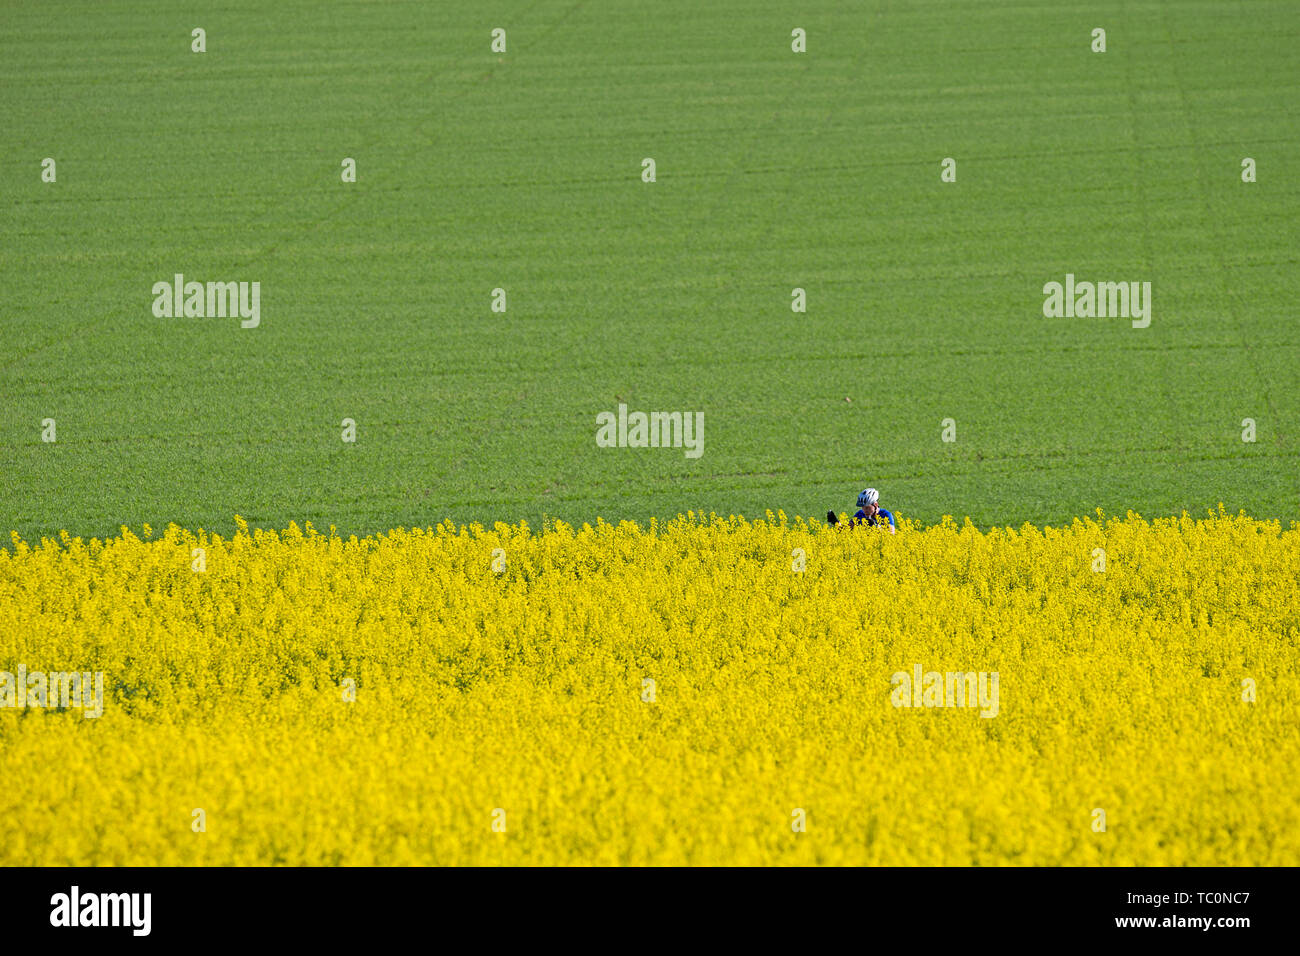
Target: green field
pixel 522 171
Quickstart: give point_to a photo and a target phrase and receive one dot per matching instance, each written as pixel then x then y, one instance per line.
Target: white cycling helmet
pixel 868 497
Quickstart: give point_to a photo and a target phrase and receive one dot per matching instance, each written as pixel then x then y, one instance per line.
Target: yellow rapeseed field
pixel 709 691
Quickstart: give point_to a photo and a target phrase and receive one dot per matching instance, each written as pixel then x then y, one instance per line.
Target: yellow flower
pixel 678 693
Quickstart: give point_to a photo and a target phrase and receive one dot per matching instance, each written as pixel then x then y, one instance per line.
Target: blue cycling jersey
pixel 875 519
